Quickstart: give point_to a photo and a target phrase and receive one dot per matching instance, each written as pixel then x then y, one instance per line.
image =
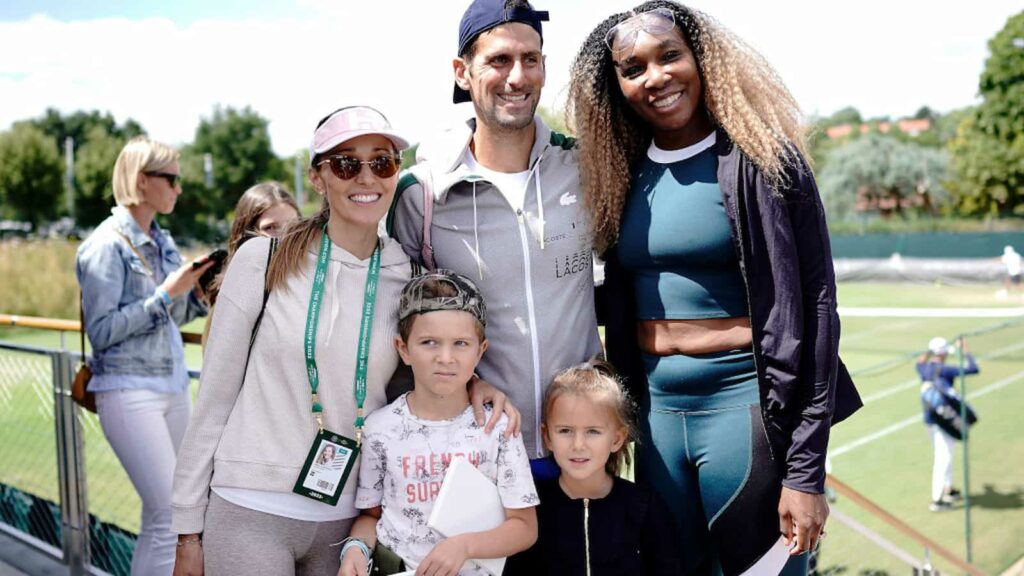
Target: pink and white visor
pixel 352 122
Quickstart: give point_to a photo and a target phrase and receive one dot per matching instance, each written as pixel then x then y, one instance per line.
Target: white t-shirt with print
pixel 404 460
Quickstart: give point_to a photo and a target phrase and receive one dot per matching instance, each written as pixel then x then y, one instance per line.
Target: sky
pixel 167 64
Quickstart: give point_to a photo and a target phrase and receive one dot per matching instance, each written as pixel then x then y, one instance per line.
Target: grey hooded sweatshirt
pixel 534 266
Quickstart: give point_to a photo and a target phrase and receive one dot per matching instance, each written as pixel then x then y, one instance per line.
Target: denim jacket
pixel 127 322
pixel 783 248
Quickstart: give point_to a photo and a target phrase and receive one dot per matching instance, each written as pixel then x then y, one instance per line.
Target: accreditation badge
pixel 330 461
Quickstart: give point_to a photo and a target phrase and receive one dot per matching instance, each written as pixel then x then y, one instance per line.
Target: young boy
pixel 408 445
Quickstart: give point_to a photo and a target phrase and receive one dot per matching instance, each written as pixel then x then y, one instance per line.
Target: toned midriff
pixel 668 337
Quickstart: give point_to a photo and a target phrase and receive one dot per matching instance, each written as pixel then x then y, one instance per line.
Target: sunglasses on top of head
pixel 656 21
pixel 348 167
pixel 171 178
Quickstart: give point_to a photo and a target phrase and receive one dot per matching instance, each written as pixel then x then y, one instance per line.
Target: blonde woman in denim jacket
pixel 135 294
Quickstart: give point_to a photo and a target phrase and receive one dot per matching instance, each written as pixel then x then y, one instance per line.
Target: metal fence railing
pixel 41 492
pixel 62 489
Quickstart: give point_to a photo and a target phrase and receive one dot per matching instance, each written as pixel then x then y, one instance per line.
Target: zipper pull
pixel 586 531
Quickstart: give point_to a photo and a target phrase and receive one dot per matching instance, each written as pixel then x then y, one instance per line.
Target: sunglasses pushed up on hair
pixel 348 167
pixel 657 21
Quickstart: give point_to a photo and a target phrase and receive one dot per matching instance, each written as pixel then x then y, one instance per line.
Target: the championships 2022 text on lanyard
pixel 332 455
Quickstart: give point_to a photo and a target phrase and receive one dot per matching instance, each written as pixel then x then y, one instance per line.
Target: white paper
pixel 468 502
pixel 772 562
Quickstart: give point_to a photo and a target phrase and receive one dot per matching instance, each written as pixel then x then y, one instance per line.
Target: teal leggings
pixel 705 451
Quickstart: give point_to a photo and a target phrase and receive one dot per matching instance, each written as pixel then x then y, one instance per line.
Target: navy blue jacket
pixel 942 376
pixel 785 259
pixel 629 531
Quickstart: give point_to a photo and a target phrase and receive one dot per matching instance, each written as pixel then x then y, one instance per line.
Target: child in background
pixel 408 444
pixel 591 521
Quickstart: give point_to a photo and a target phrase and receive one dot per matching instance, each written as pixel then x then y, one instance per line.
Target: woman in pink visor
pixel 301 347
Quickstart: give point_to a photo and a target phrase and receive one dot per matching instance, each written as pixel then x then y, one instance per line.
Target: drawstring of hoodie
pixel 334 292
pixel 540 198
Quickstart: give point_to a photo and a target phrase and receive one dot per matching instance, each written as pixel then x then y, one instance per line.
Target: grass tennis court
pixel 882 451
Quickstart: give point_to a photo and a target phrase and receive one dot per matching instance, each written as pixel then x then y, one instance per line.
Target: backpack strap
pixel 422 177
pixel 426 248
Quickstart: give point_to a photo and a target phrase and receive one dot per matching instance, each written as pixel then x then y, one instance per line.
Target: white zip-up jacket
pixel 534 266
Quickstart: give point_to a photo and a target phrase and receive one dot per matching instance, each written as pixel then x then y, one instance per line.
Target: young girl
pixel 590 520
pixel 266 210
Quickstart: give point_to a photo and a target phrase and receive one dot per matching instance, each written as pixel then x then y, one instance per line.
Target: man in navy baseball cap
pixel 483 15
pixel 496 198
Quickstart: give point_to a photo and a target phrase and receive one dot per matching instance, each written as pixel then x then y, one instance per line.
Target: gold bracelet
pixel 192 541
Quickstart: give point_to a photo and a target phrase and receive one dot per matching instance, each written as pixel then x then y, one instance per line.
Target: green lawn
pixel 871 294
pixel 893 470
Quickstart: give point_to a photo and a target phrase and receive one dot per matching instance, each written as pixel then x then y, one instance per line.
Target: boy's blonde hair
pixel 139 155
pixel 596 380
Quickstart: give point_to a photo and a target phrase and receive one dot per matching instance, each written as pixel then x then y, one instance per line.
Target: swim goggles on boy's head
pixel 657 21
pixel 463 296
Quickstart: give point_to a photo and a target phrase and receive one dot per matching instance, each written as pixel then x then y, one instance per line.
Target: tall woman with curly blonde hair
pixel 720 289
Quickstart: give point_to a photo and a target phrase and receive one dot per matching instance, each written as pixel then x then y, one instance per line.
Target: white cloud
pixel 884 57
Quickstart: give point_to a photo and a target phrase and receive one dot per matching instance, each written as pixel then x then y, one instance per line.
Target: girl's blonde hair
pixel 596 380
pixel 742 95
pixel 139 155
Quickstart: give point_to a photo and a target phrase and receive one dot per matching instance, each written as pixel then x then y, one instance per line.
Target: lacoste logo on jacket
pixel 567 199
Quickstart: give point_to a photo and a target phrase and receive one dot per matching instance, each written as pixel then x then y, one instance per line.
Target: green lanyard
pixel 365 328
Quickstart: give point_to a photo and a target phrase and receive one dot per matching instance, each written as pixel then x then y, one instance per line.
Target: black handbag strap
pixel 263 308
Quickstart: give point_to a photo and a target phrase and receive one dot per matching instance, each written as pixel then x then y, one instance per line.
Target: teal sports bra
pixel 676 240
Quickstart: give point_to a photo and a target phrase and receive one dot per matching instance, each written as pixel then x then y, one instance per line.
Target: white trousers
pixel 145 429
pixel 942 467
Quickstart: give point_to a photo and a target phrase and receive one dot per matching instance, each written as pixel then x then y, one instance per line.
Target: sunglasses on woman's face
pixel 348 167
pixel 172 179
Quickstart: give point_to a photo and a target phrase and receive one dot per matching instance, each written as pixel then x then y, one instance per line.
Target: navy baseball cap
pixel 481 16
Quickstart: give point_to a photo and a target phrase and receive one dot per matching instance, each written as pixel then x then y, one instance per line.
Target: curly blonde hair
pixel 743 95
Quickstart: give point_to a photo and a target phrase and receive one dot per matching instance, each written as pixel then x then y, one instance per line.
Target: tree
pixel 94 166
pixel 880 174
pixel 988 151
pixel 238 143
pixel 848 115
pixel 93 196
pixel 820 145
pixel 925 112
pixel 30 174
pixel 80 124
